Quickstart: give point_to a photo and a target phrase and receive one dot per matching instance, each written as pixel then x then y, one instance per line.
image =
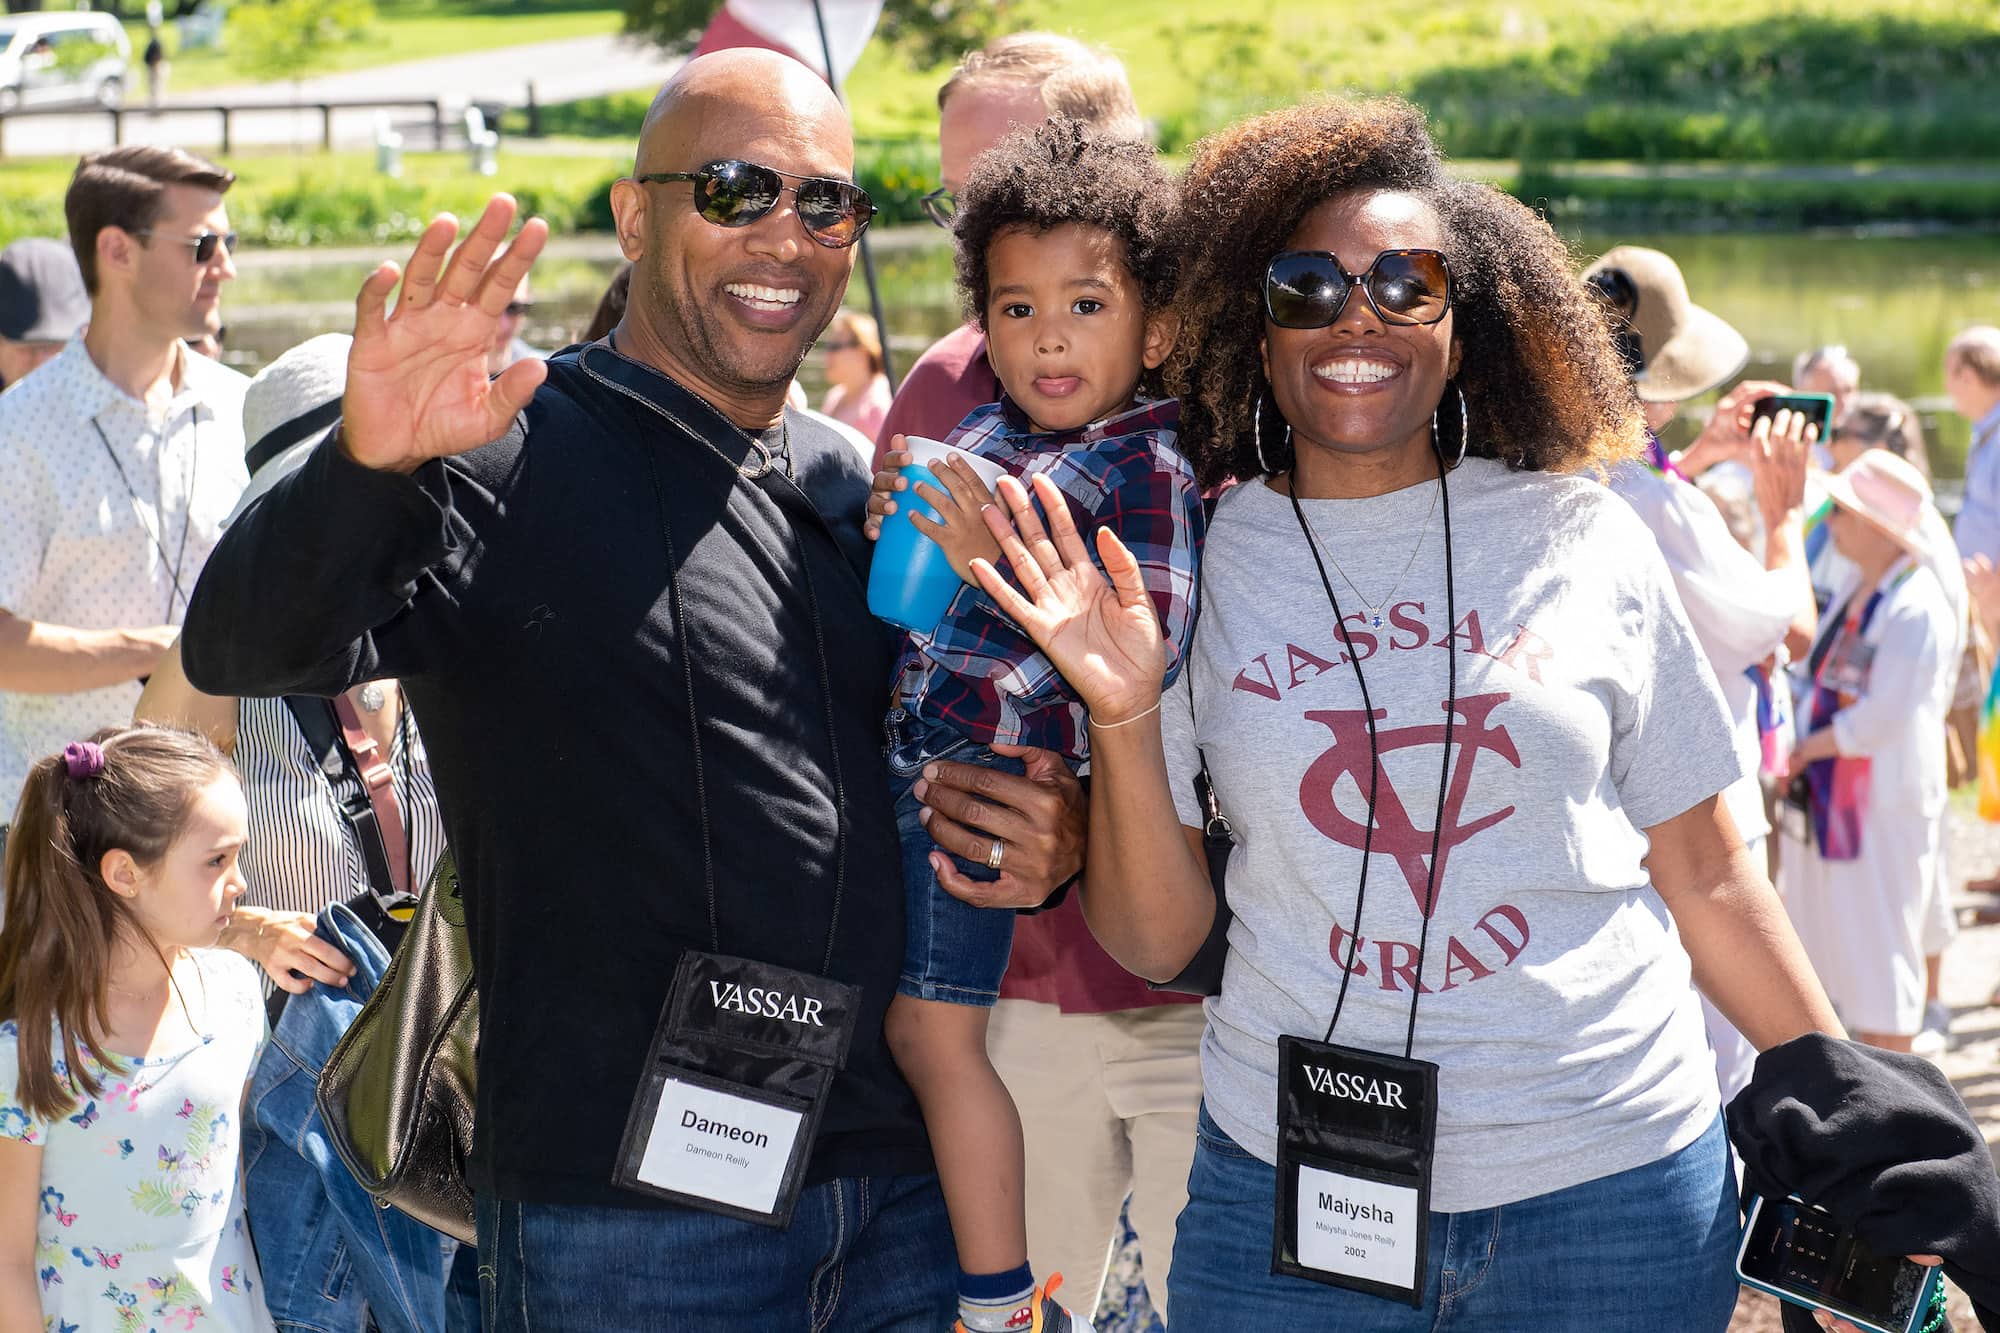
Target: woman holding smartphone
pixel 1471 759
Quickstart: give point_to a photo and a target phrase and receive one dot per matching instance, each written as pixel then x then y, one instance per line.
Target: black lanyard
pixel 155 531
pixel 773 470
pixel 1375 760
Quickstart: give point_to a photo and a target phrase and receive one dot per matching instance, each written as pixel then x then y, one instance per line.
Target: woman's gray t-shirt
pixel 1556 995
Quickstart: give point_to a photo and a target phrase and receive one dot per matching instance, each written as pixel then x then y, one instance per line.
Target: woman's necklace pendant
pixel 1375 616
pixel 373 696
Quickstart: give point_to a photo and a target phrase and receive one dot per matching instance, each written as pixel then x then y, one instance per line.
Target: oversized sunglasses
pixel 1307 289
pixel 734 193
pixel 204 244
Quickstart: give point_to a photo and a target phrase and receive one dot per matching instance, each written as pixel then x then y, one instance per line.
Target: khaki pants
pixel 1107 1105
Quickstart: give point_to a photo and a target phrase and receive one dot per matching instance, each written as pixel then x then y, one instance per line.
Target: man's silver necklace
pixel 1373 607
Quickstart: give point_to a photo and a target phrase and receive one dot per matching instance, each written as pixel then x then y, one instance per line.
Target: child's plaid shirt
pixel 979 674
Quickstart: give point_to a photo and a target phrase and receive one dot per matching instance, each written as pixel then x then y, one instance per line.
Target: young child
pixel 126 1044
pixel 1062 261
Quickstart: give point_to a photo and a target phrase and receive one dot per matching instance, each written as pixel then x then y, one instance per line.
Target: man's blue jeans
pixel 869 1253
pixel 1653 1247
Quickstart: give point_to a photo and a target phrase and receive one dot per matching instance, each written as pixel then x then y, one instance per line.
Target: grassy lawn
pixel 1729 79
pixel 403 30
pixel 285 199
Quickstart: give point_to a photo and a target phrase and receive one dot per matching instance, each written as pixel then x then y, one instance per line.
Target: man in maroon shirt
pixel 1020 79
pixel 1105 1072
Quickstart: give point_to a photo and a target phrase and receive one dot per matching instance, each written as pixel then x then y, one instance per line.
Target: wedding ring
pixel 993 856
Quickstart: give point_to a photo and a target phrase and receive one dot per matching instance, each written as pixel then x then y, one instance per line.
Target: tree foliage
pixel 927 32
pixel 288 39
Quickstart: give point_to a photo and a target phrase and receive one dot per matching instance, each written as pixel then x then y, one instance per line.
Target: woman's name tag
pixel 734 1086
pixel 1356 1131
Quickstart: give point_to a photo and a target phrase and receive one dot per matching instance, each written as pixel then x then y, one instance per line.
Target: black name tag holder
pixel 1356 1130
pixel 735 1084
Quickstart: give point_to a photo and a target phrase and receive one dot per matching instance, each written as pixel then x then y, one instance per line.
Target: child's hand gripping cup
pixel 912 581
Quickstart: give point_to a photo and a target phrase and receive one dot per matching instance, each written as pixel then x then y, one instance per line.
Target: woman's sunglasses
pixel 1307 289
pixel 734 193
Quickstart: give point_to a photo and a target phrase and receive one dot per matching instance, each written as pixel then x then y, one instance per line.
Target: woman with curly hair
pixel 1469 753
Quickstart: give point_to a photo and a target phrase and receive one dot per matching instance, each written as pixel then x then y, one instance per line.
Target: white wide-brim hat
pixel 287 408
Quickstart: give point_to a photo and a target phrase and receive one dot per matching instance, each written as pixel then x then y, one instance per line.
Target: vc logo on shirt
pixel 1396 832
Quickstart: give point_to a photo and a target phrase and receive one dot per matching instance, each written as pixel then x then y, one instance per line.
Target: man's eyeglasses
pixel 848 346
pixel 1307 289
pixel 734 193
pixel 204 244
pixel 940 206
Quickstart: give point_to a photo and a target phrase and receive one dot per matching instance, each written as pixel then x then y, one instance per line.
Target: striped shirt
pixel 302 852
pixel 978 673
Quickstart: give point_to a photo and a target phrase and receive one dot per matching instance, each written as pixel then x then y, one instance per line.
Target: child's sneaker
pixel 1041 1314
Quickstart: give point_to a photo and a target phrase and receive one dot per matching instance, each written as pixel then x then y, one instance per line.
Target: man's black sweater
pixel 631 665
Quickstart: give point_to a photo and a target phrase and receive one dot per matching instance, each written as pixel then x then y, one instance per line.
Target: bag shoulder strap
pixel 321 727
pixel 378 779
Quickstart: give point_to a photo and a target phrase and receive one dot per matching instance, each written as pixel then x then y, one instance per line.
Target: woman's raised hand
pixel 417 387
pixel 1101 634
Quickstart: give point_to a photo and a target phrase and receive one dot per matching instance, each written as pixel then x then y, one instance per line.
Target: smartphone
pixel 1799 1254
pixel 1817 409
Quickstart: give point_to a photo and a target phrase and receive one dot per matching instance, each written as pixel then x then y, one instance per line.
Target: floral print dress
pixel 141 1227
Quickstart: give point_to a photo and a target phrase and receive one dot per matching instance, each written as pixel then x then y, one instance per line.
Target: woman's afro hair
pixel 1544 385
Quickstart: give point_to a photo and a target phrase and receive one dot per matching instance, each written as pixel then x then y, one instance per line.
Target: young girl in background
pixel 125 1043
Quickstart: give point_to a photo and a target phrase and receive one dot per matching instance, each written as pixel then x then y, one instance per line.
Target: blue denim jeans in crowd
pixel 952 951
pixel 866 1253
pixel 331 1256
pixel 1653 1247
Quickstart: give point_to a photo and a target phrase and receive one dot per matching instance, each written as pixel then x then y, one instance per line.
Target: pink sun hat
pixel 1886 491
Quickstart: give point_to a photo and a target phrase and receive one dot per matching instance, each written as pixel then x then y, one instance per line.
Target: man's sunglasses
pixel 516 309
pixel 1307 289
pixel 940 206
pixel 734 193
pixel 204 244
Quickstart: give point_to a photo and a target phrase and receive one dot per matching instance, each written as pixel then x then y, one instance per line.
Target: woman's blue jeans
pixel 1653 1247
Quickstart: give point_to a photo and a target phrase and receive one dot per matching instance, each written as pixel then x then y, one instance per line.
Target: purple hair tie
pixel 84 759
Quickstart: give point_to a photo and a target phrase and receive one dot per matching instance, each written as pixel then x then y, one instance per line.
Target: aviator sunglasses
pixel 1307 289
pixel 734 193
pixel 204 244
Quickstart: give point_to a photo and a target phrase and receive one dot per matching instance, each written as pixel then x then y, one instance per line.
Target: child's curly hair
pixel 1061 172
pixel 1544 386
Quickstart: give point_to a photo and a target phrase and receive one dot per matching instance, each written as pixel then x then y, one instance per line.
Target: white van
pixel 50 59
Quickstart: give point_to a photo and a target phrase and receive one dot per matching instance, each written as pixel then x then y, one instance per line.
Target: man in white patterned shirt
pixel 119 458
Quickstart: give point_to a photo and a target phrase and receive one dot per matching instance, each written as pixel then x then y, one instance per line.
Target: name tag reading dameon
pixel 734 1086
pixel 718 1146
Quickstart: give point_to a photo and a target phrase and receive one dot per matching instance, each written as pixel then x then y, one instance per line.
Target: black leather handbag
pixel 397 1092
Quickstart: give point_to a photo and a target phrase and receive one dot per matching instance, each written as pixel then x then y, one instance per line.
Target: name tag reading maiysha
pixel 1356 1132
pixel 734 1086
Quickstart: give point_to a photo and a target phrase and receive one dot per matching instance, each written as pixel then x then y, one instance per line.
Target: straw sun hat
pixel 1681 350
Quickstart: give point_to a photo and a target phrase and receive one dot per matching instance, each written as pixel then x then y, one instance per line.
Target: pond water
pixel 1894 300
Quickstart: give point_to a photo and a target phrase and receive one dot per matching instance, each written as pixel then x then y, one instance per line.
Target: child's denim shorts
pixel 952 951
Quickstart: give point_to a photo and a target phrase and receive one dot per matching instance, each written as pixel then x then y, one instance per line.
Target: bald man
pixel 624 590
